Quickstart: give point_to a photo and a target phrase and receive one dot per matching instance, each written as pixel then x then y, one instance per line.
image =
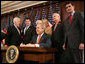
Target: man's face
pixel 27 22
pixel 69 8
pixel 39 30
pixel 55 17
pixel 17 23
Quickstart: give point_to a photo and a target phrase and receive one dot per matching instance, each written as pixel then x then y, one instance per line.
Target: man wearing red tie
pixel 41 39
pixel 74 35
pixel 13 36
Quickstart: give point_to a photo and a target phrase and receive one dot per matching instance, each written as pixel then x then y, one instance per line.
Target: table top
pixel 33 49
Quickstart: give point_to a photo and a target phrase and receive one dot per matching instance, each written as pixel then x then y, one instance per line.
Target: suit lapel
pixel 28 29
pixel 16 30
pixel 35 40
pixel 73 19
pixel 66 23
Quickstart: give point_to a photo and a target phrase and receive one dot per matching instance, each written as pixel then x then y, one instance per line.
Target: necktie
pixel 38 39
pixel 69 20
pixel 18 30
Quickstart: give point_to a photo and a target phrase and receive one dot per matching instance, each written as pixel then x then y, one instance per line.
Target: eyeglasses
pixel 67 7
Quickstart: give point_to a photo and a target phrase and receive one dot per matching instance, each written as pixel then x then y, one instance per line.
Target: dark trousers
pixel 58 56
pixel 71 56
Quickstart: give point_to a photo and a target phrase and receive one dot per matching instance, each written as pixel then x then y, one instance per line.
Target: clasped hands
pixel 27 45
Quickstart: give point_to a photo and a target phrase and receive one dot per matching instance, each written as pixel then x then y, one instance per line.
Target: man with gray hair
pixel 41 39
pixel 13 33
pixel 38 22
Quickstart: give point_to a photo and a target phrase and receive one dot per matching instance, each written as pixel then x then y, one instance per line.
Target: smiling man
pixel 28 31
pixel 41 39
pixel 13 36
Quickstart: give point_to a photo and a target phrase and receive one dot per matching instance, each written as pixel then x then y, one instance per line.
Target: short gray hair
pixel 39 22
pixel 15 19
pixel 58 15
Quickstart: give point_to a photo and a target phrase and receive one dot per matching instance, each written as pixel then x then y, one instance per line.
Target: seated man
pixel 41 39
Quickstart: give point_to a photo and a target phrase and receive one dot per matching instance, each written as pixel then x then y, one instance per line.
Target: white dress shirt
pixel 72 14
pixel 26 28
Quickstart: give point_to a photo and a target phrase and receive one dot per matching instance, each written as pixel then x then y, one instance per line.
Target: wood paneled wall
pixel 79 6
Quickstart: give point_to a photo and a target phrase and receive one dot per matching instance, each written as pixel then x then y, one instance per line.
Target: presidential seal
pixel 12 54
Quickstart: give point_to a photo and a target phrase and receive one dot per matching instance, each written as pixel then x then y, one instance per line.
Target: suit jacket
pixel 13 37
pixel 45 40
pixel 30 32
pixel 58 36
pixel 74 35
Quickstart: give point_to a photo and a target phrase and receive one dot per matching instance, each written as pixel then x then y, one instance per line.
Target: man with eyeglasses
pixel 73 35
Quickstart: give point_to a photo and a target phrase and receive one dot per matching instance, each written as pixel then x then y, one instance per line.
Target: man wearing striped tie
pixel 13 36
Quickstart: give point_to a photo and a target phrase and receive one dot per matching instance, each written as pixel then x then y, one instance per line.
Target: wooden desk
pixel 33 53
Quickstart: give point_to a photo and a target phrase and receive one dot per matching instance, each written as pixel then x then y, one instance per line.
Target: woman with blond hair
pixel 48 29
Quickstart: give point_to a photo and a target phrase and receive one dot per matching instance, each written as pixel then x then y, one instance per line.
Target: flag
pixel 23 24
pixel 51 22
pixel 43 13
pixel 31 17
pixel 19 17
pixel 18 13
pixel 57 7
pixel 4 23
pixel 12 19
pixel 3 43
pixel 8 22
pixel 36 17
pixel 4 31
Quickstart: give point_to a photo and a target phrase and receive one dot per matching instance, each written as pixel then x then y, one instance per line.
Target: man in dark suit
pixel 74 35
pixel 41 39
pixel 13 36
pixel 28 31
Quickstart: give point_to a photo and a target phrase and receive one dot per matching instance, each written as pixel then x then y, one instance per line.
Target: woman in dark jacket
pixel 57 36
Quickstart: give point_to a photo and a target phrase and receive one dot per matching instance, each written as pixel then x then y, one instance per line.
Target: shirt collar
pixel 72 13
pixel 27 27
pixel 41 34
pixel 15 26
